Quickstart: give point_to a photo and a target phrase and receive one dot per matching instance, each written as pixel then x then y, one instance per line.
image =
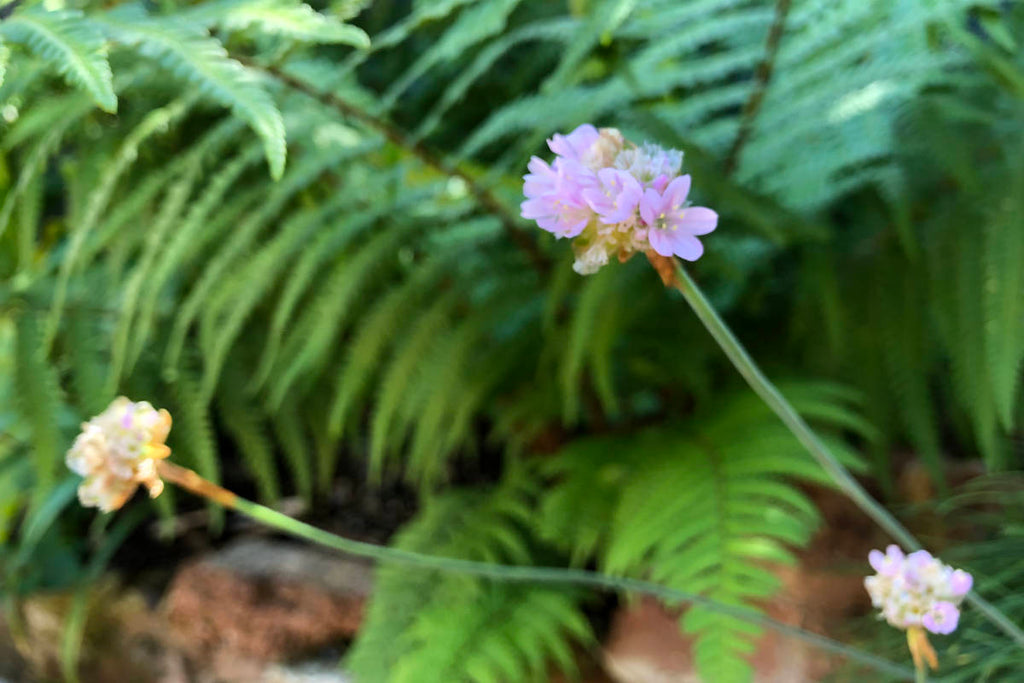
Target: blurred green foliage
pixel 305 245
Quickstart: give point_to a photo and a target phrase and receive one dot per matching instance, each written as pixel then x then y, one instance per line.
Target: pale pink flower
pixel 615 199
pixel 674 227
pixel 916 590
pixel 616 196
pixel 117 452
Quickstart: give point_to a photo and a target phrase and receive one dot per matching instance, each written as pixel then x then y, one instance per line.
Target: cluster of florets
pixel 917 590
pixel 614 198
pixel 117 451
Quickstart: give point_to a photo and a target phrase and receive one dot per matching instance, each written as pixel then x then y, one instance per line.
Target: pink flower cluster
pixel 614 198
pixel 917 590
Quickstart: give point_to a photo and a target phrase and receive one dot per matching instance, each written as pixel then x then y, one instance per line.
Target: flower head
pixel 614 198
pixel 117 451
pixel 916 590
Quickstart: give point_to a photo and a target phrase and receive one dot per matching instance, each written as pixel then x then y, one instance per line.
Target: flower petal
pixel 650 206
pixel 688 247
pixel 661 241
pixel 677 191
pixel 698 220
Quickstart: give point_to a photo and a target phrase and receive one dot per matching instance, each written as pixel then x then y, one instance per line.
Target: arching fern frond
pixel 291 19
pixel 68 43
pixel 427 628
pixel 202 62
pixel 631 501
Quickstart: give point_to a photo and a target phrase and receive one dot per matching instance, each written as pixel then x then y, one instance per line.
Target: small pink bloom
pixel 616 197
pixel 576 144
pixel 942 618
pixel 675 226
pixel 554 196
pixel 960 583
pixel 888 564
pixel 541 180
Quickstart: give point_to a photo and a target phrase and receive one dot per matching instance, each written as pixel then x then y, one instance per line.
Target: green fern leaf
pixel 291 19
pixel 1004 308
pixel 70 44
pixel 526 627
pixel 5 57
pixel 38 402
pixel 296 447
pixel 193 435
pixel 84 342
pixel 704 508
pixel 473 25
pixel 248 429
pixel 202 61
pixel 124 358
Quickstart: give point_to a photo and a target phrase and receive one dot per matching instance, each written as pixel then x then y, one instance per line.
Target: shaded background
pixel 377 341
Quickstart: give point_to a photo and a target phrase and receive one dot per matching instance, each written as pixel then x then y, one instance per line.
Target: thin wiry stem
pixel 762 78
pixel 516 574
pixel 763 387
pixel 487 200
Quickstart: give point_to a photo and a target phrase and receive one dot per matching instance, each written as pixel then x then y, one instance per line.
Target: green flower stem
pixel 520 574
pixel 761 385
pixel 920 675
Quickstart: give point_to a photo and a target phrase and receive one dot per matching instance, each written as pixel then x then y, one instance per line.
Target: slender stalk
pixel 763 387
pixel 191 481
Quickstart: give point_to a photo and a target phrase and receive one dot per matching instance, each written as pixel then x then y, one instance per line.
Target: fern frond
pixel 38 402
pixel 71 45
pixel 193 435
pixel 630 501
pixel 398 376
pixel 291 19
pixel 295 445
pixel 603 18
pixel 327 314
pixel 587 315
pixel 247 427
pixel 123 357
pixel 83 341
pixel 204 63
pixel 154 122
pixel 548 30
pixel 527 627
pixel 375 334
pixel 1004 306
pixel 473 25
pixel 32 169
pixel 5 58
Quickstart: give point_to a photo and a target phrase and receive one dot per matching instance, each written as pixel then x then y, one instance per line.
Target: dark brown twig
pixel 398 137
pixel 8 9
pixel 762 77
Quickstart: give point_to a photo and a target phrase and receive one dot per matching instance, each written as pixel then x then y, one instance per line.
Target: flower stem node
pixel 614 198
pixel 117 451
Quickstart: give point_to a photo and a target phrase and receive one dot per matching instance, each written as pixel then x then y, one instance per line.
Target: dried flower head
pixel 117 451
pixel 614 198
pixel 917 590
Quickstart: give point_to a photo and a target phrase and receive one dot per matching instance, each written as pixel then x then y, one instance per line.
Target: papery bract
pixel 117 451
